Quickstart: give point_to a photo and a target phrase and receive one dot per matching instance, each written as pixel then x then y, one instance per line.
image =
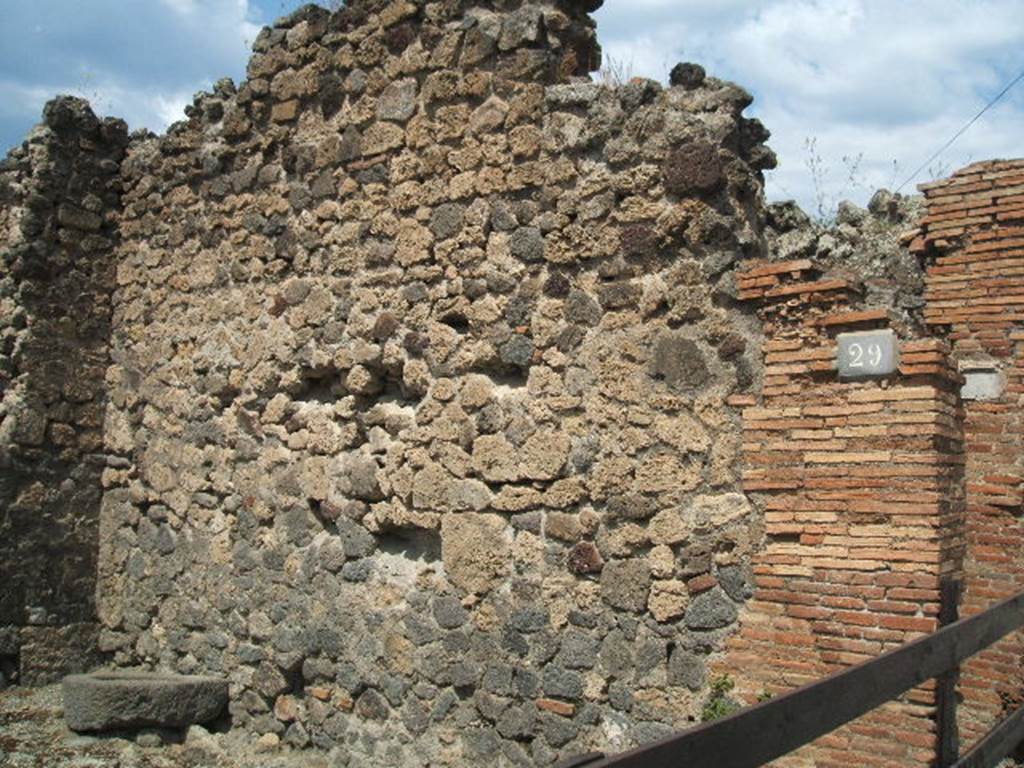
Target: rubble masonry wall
pixel 422 356
pixel 59 201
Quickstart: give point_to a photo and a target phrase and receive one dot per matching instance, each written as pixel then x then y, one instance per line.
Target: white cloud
pixel 142 60
pixel 184 7
pixel 891 81
pixel 168 108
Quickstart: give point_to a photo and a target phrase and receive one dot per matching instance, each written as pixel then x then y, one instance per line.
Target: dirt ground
pixel 33 735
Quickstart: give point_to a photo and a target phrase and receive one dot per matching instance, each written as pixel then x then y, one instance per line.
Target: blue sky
pixel 884 81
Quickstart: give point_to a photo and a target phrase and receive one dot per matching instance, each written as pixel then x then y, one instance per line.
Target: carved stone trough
pixel 117 700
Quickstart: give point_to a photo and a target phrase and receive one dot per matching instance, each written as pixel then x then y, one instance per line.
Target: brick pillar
pixel 973 239
pixel 861 488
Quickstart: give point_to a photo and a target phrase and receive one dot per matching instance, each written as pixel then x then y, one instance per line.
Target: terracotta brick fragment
pixel 563 708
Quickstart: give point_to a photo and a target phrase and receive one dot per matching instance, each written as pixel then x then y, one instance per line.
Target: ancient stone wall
pixel 867 246
pixel 454 406
pixel 58 227
pixel 422 360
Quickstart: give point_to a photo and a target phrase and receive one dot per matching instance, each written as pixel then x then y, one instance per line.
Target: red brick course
pixel 860 484
pixel 973 240
pixel 874 493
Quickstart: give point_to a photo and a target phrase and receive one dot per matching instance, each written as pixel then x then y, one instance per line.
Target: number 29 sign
pixel 867 355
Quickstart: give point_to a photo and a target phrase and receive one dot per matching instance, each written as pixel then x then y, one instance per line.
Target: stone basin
pixel 119 700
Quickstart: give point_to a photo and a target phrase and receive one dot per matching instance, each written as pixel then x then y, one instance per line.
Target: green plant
pixel 88 88
pixel 825 202
pixel 614 72
pixel 940 169
pixel 719 703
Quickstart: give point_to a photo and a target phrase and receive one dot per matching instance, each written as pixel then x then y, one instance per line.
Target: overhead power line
pixel 963 130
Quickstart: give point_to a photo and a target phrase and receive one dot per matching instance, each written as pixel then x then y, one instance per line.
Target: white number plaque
pixel 867 355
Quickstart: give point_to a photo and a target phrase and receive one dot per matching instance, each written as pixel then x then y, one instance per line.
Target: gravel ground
pixel 33 735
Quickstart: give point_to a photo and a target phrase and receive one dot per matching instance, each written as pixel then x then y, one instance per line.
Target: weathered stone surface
pixel 363 472
pixel 103 701
pixel 668 527
pixel 694 167
pixel 527 243
pixel 579 650
pixel 710 610
pixel 47 654
pixel 585 558
pixel 718 509
pixel 372 706
pixel 496 459
pixel 737 581
pixel 562 683
pixel 544 454
pixel 668 600
pixel 447 220
pixel 489 116
pixel 398 101
pixel 625 584
pixel 449 613
pixel 518 351
pixel 687 75
pixel 678 360
pixel 285 111
pixel 77 218
pixel 686 668
pixel 469 494
pixel 475 550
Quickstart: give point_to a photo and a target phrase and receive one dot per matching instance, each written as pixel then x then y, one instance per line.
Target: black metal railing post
pixel 949 739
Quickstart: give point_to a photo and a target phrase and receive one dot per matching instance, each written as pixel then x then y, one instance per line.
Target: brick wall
pixel 973 241
pixel 860 486
pixel 875 493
